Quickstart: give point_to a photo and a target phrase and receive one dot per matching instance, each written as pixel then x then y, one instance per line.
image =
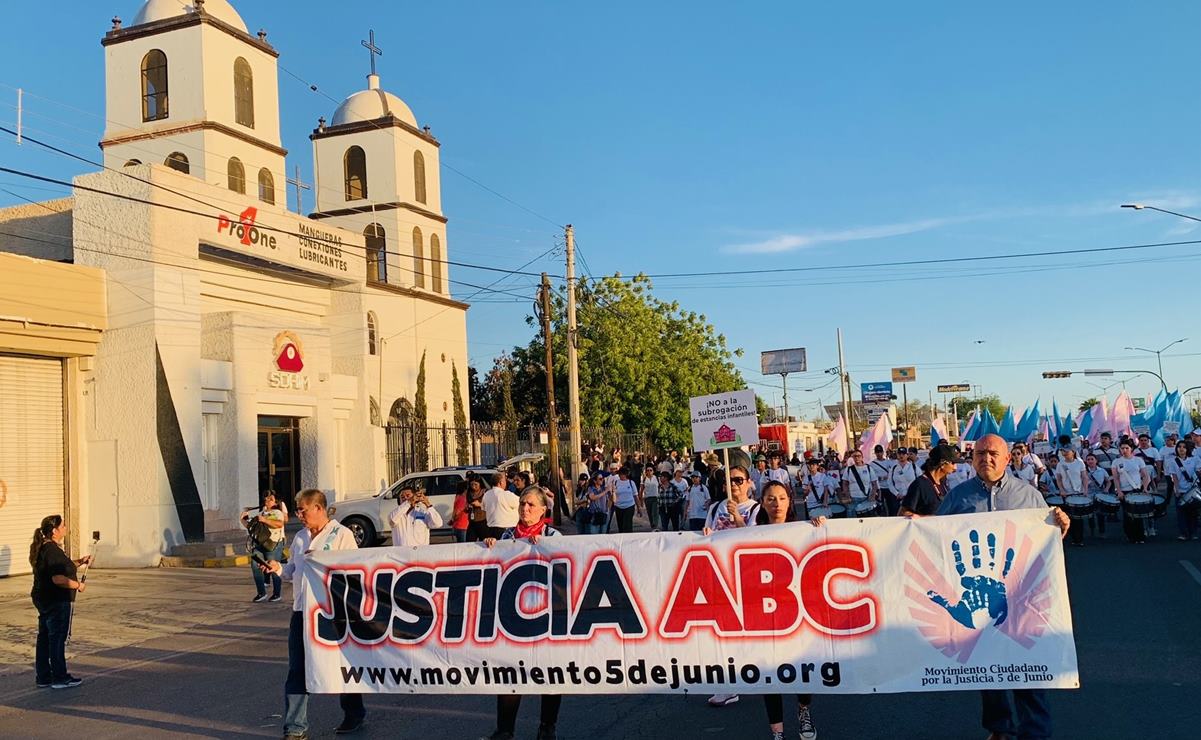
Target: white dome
pixel 161 10
pixel 373 103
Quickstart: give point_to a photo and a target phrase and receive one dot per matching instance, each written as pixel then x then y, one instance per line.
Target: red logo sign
pixel 724 434
pixel 289 355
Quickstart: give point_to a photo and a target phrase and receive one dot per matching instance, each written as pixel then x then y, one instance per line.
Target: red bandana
pixel 524 531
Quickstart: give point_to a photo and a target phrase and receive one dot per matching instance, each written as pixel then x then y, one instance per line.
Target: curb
pixel 234 561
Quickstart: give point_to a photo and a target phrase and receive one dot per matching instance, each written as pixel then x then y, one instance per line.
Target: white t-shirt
pixel 719 514
pixel 902 477
pixel 1096 479
pixel 650 487
pixel 411 525
pixel 779 474
pixel 1128 474
pixel 698 501
pixel 1105 458
pixel 1070 478
pixel 963 472
pixel 882 472
pixel 1150 456
pixel 866 477
pixel 820 486
pixel 1185 481
pixel 500 507
pixel 626 492
pixel 333 536
pixel 1027 473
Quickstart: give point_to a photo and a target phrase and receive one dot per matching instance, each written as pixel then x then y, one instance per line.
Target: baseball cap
pixel 942 454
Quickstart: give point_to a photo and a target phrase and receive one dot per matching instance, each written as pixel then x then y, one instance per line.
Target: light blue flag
pixel 1086 422
pixel 988 424
pixel 1008 429
pixel 1030 421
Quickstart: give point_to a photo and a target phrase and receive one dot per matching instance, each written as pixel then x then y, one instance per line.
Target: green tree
pixel 462 453
pixel 640 360
pixel 421 432
pixel 1088 404
pixel 991 401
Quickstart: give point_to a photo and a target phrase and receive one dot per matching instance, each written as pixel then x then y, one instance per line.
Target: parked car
pixel 367 518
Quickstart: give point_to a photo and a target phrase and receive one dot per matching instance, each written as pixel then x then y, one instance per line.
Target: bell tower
pixel 377 175
pixel 186 85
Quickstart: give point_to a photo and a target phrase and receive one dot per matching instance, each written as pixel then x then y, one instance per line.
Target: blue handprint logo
pixel 983 593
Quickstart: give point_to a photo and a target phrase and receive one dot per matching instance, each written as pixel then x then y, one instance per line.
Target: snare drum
pixel 869 508
pixel 1140 505
pixel 1055 501
pixel 816 511
pixel 1078 507
pixel 1161 506
pixel 1107 503
pixel 838 511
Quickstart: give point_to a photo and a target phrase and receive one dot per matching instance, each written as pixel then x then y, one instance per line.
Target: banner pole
pixel 725 454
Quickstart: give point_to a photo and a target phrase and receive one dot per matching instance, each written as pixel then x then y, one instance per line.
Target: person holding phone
pixel 55 583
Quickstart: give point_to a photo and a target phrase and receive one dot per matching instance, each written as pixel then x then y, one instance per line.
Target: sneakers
pixel 546 731
pixel 259 599
pixel 722 700
pixel 807 729
pixel 69 682
pixel 777 735
pixel 42 683
pixel 274 598
pixel 349 725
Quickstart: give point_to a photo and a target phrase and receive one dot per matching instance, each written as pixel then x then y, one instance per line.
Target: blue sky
pixel 696 136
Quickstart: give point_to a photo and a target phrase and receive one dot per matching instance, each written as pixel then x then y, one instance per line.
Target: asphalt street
pixel 181 653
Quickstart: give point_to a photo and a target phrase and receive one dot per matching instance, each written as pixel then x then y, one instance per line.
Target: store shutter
pixel 31 453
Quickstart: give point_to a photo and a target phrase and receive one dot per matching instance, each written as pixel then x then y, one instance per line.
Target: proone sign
pixel 293 241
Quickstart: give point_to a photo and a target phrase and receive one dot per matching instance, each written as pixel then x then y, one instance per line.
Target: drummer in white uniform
pixel 858 482
pixel 816 487
pixel 1100 487
pixel 904 473
pixel 1072 479
pixel 1133 482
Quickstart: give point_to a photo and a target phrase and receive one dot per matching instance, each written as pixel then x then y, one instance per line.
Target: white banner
pixel 871 605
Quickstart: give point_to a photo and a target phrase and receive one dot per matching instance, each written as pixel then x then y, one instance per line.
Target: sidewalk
pixel 128 607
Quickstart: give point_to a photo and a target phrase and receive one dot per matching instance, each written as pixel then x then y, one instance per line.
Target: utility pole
pixel 844 384
pixel 573 362
pixel 552 426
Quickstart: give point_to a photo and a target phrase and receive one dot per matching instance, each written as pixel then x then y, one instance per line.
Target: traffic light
pixel 1057 374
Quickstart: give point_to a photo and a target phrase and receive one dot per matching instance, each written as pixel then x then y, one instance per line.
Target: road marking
pixel 1192 571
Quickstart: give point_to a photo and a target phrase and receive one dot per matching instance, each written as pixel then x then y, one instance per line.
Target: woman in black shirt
pixel 54 587
pixel 926 493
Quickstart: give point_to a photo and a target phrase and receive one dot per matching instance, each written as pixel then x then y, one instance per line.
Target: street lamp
pixel 1143 206
pixel 1158 352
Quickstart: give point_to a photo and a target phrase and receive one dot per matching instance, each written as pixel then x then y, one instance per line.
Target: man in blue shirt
pixel 993 490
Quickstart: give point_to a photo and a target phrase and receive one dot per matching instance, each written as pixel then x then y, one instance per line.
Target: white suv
pixel 367 518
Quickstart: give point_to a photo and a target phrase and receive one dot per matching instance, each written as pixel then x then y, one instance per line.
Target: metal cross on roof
pixel 371 47
pixel 300 186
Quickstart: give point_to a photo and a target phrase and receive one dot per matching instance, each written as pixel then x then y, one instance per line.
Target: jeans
pixel 508 704
pixel 296 695
pixel 670 516
pixel 596 522
pixel 774 704
pixel 461 535
pixel 892 504
pixel 260 583
pixel 1033 710
pixel 652 511
pixel 54 619
pixel 625 519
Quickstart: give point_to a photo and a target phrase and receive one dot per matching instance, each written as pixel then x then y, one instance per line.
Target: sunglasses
pixel 737 480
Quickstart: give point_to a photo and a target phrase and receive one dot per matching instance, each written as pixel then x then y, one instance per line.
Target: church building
pixel 245 348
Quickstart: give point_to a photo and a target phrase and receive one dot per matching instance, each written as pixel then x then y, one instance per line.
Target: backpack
pixel 258 536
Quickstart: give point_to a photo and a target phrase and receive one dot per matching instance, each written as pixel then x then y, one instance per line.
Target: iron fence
pixel 413 448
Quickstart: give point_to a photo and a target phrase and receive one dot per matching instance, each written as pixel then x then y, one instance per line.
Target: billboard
pixel 783 361
pixel 955 388
pixel 904 374
pixel 875 392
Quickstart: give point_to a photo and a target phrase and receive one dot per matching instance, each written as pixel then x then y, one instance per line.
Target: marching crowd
pixel 1084 486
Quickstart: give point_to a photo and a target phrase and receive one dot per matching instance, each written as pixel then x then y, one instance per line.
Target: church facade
pixel 248 348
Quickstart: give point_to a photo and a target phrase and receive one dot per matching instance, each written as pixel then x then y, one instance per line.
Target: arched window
pixel 237 175
pixel 266 186
pixel 374 406
pixel 243 93
pixel 377 254
pixel 372 334
pixel 178 161
pixel 419 176
pixel 354 165
pixel 435 264
pixel 154 86
pixel 418 259
pixel 133 163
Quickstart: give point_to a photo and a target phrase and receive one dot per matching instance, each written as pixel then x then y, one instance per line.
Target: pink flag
pixel 1119 416
pixel 837 438
pixel 879 434
pixel 1100 412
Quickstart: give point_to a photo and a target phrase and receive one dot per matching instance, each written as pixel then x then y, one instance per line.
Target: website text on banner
pixel 856 606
